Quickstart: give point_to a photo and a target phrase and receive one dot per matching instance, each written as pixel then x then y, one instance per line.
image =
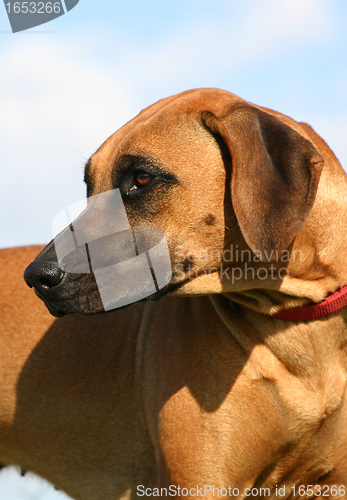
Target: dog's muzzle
pixel 98 262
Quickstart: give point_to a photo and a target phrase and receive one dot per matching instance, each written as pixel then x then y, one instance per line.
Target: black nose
pixel 43 275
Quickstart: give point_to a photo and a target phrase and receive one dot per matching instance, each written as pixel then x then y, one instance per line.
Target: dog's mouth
pixel 77 303
pixel 65 292
pixel 79 293
pixel 91 303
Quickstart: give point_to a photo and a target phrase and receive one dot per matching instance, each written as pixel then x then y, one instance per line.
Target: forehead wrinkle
pixel 177 140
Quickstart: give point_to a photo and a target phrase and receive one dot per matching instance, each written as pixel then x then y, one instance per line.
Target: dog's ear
pixel 274 178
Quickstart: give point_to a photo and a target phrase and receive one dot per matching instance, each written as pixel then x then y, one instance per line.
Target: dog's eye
pixel 141 180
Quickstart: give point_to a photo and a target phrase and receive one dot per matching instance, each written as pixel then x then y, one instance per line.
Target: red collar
pixel 330 305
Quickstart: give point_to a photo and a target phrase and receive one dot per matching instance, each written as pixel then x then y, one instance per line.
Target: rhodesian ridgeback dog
pixel 231 383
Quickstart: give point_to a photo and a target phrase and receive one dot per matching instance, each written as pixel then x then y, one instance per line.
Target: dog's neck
pixel 305 352
pixel 252 328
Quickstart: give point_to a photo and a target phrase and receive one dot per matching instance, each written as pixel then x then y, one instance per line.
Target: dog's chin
pixel 59 309
pixel 90 303
pixel 81 305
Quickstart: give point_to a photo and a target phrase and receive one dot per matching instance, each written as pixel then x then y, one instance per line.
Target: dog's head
pixel 213 174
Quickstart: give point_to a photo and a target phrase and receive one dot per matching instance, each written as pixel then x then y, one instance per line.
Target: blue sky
pixel 67 85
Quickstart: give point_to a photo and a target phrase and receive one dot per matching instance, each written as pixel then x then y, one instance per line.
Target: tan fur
pixel 189 390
